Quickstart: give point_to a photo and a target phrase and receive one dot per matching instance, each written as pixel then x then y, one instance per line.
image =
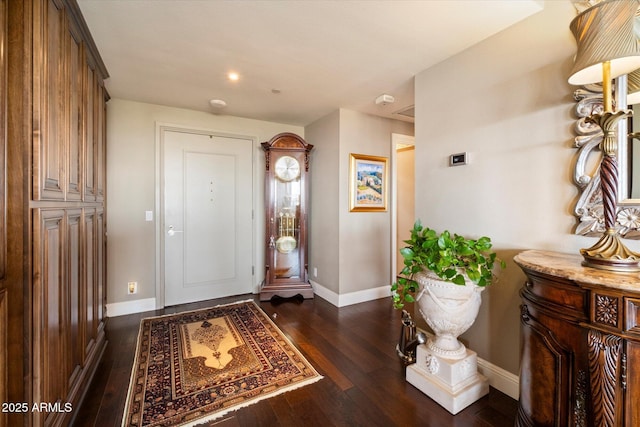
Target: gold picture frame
pixel 367 183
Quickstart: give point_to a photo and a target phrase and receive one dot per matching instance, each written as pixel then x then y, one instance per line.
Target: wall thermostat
pixel 458 159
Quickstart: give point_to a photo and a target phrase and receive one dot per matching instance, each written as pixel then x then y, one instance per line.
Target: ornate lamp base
pixel 609 253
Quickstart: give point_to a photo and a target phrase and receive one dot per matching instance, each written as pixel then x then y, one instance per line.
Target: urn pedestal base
pixel 453 384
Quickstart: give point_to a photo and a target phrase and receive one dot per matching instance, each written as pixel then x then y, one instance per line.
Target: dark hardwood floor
pixel 352 347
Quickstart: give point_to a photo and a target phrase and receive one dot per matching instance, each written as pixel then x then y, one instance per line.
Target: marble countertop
pixel 569 266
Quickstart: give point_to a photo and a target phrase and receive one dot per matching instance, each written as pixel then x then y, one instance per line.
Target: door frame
pixel 161 128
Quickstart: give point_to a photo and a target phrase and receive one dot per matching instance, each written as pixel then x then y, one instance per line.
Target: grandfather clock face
pixel 286 218
pixel 287 168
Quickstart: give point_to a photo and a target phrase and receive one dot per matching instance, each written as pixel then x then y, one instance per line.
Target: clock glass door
pixel 286 219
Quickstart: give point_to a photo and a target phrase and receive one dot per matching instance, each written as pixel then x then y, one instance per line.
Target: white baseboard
pixel 325 293
pixel 342 300
pixel 130 307
pixel 500 379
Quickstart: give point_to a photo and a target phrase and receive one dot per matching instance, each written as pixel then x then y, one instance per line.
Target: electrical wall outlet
pixel 132 288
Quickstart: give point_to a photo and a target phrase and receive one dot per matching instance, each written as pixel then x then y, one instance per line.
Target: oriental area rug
pixel 196 366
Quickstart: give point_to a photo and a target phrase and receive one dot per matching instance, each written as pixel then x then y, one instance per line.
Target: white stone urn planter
pixel 449 310
pixel 445 370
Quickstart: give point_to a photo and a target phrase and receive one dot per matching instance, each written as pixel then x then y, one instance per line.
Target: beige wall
pixel 324 239
pixel 342 244
pixel 506 102
pixel 132 187
pixel 351 250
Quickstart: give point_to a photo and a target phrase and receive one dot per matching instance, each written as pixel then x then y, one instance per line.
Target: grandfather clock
pixel 286 203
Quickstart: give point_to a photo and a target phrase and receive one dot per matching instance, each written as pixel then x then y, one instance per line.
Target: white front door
pixel 207 198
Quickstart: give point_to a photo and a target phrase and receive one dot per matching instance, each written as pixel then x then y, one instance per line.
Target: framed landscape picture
pixel 367 183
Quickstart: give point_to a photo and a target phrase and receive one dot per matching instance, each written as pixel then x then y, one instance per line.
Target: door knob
pixel 171 231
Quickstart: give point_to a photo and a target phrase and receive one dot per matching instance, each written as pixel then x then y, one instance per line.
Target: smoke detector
pixel 385 99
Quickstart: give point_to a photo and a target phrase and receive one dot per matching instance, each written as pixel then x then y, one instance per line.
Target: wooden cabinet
pixel 580 343
pixel 53 297
pixel 4 313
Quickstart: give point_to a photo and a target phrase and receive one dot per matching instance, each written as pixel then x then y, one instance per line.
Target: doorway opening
pixel 403 200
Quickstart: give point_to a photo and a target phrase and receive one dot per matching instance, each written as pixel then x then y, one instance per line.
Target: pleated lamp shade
pixel 605 32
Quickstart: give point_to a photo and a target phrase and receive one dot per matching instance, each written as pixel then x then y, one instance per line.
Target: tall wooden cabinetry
pixel 3 209
pixel 54 290
pixel 580 344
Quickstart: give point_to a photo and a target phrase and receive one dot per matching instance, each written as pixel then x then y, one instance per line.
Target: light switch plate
pixel 148 215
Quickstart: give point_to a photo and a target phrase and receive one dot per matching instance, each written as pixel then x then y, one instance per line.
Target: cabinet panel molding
pixel 90 283
pixel 633 318
pixel 74 283
pixel 89 137
pixel 101 267
pixel 101 139
pixel 74 115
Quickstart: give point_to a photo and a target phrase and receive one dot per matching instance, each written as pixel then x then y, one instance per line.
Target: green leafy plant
pixel 450 257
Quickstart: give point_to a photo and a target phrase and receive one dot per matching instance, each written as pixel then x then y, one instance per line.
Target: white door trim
pixel 161 128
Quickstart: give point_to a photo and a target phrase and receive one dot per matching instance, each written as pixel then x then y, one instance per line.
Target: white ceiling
pixel 321 55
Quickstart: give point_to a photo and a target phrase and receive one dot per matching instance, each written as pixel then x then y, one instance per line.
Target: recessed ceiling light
pixel 217 103
pixel 233 76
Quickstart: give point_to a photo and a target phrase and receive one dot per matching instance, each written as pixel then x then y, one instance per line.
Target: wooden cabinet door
pixel 631 378
pixel 49 101
pixel 545 373
pixel 49 311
